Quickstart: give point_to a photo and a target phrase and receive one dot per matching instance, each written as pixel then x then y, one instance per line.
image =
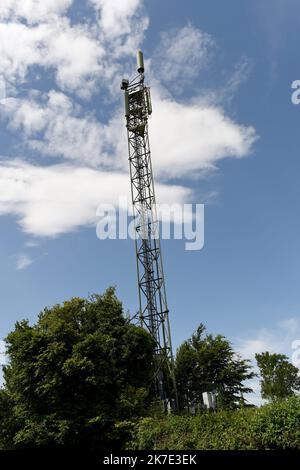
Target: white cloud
pixel 49 201
pixel 76 56
pixel 20 48
pixel 115 17
pixel 82 56
pixel 181 55
pixel 32 10
pixel 54 126
pixel 23 261
pixel 71 51
pixel 188 138
pixel 25 115
pixel 185 138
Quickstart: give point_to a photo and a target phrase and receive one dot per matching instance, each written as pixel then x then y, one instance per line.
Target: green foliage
pixel 7 422
pixel 279 377
pixel 75 374
pixel 208 363
pixel 275 426
pixel 206 431
pixel 81 378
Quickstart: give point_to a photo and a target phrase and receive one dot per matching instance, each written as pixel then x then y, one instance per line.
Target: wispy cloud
pixel 32 244
pixel 278 22
pixel 239 76
pixel 277 338
pixel 23 261
pixel 181 56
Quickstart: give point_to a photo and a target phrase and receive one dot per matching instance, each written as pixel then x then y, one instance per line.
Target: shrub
pixel 275 426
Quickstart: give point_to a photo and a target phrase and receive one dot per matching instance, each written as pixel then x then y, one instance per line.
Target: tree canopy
pixel 279 378
pixel 80 375
pixel 74 375
pixel 208 363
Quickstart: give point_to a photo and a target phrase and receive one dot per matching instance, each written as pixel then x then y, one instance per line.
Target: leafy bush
pixel 275 426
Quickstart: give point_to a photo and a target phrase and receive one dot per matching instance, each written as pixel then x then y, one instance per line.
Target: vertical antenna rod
pixel 153 308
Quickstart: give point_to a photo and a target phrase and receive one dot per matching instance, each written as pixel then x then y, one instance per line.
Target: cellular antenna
pixel 140 62
pixel 153 308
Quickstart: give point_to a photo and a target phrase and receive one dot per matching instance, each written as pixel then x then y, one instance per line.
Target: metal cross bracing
pixel 153 308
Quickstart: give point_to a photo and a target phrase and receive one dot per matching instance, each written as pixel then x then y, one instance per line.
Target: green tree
pixel 208 363
pixel 74 375
pixel 279 378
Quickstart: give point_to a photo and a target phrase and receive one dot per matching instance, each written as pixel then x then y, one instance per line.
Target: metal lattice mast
pixel 153 308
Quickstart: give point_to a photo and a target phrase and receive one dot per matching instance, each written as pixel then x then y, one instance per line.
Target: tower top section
pixel 139 80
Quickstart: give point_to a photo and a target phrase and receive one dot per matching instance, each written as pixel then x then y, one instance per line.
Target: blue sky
pixel 221 75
